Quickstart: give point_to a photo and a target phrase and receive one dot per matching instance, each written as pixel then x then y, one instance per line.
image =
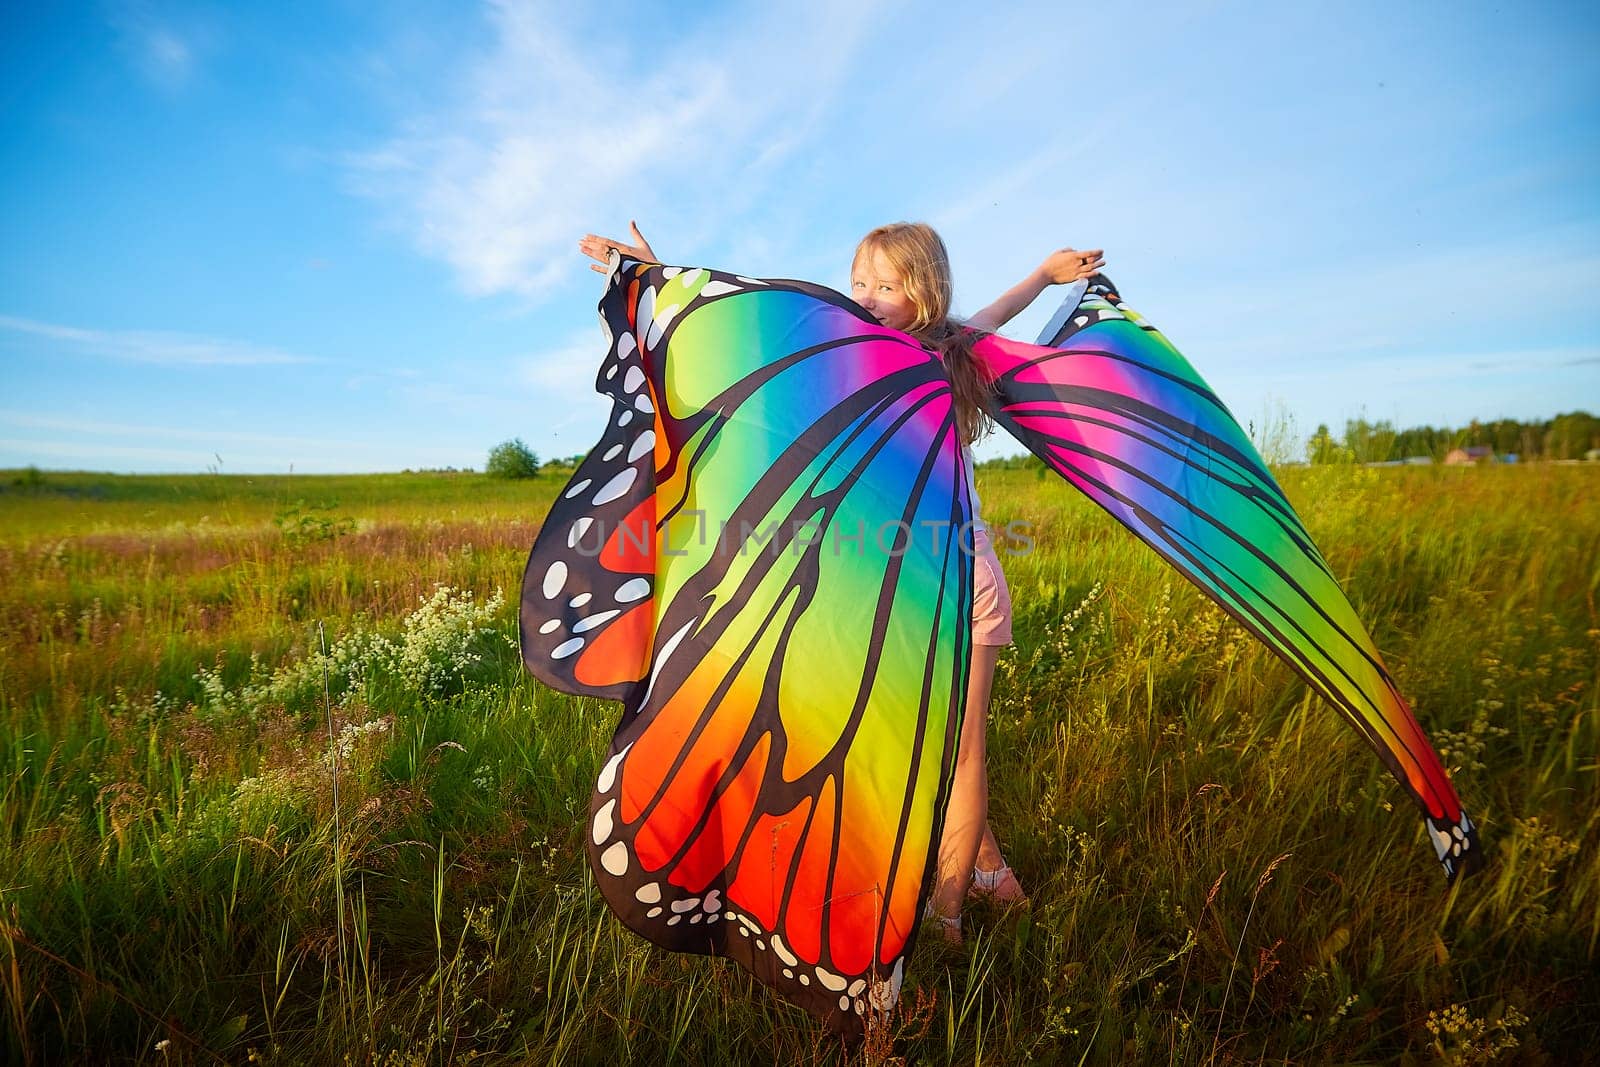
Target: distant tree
pixel 512 459
pixel 1322 448
pixel 1418 441
pixel 1570 436
pixel 1369 442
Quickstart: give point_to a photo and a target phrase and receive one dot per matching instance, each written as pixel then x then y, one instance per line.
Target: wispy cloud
pixel 150 346
pixel 165 54
pixel 557 132
pixel 563 379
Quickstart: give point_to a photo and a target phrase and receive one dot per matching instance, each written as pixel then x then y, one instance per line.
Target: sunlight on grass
pixel 1220 871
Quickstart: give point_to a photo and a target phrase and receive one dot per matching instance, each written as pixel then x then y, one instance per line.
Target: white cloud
pixel 557 132
pixel 166 55
pixel 152 346
pixel 563 380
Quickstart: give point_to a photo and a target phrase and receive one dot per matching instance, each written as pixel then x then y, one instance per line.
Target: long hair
pixel 915 251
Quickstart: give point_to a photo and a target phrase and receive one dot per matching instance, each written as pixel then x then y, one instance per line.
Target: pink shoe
pixel 1000 887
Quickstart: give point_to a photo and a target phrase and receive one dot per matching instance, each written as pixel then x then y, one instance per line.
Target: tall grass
pixel 1220 870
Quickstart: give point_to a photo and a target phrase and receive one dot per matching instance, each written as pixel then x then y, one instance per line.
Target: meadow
pixel 277 790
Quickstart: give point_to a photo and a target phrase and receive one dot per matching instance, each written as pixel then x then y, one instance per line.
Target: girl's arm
pixel 599 249
pixel 1059 268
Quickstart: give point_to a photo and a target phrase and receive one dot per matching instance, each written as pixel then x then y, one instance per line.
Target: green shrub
pixel 512 459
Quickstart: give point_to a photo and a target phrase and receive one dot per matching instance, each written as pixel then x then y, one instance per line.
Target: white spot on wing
pixel 633 589
pixel 585 625
pixel 603 824
pixel 649 893
pixel 645 310
pixel 615 859
pixel 666 654
pixel 554 578
pixel 608 773
pixel 616 486
pixel 885 995
pixel 642 444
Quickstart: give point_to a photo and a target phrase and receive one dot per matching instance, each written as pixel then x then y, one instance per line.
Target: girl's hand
pixel 1069 265
pixel 599 249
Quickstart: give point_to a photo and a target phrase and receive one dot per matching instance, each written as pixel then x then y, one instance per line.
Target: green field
pixel 206 858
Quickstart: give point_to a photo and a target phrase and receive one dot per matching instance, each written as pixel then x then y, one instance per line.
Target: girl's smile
pixel 880 291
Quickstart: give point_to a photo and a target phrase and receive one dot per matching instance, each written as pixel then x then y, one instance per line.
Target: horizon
pixel 562 461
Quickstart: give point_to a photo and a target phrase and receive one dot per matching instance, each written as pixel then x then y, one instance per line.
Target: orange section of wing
pixel 631 547
pixel 764 867
pixel 621 651
pixel 811 883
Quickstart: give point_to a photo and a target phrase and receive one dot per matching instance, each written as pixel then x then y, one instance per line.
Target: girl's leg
pixel 993 879
pixel 990 857
pixel 967 816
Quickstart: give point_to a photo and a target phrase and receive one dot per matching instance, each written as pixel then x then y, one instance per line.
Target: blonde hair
pixel 917 254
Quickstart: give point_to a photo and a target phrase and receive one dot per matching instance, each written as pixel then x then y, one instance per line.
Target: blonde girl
pixel 900 275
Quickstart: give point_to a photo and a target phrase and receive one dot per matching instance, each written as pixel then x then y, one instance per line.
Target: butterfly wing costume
pixel 762 560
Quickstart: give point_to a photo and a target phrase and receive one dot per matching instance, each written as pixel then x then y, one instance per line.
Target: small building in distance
pixel 1461 457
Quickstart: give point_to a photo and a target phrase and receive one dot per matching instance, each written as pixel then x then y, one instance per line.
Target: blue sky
pixel 342 237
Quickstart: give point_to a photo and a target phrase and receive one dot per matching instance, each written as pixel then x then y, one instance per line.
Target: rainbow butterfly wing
pixel 794 676
pixel 1113 408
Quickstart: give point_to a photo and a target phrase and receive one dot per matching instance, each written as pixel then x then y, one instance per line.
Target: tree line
pixel 1567 436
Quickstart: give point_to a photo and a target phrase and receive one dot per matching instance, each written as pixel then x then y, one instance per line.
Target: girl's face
pixel 880 290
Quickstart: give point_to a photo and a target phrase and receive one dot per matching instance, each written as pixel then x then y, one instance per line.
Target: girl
pixel 900 275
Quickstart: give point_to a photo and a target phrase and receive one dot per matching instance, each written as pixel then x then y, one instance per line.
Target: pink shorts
pixel 991 600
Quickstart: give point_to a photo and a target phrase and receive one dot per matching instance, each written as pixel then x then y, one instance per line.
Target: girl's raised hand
pixel 599 249
pixel 1069 265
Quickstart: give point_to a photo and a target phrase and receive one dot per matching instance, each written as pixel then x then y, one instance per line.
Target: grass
pixel 1220 870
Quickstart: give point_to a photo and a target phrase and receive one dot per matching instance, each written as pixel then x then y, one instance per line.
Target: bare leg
pixel 990 857
pixel 967 817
